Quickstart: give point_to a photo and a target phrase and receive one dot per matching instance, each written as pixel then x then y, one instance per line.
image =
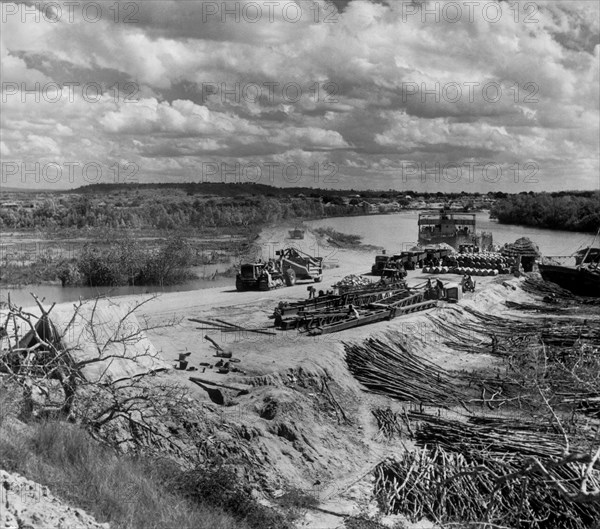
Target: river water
pixel 398 231
pixel 59 294
pixel 395 232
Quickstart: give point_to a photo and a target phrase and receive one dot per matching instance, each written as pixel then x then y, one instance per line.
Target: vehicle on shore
pixel 296 233
pixel 578 280
pixel 408 260
pixel 583 279
pixel 290 266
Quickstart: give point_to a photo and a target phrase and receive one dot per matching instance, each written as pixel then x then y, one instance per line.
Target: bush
pixel 338 238
pixel 127 492
pixel 125 263
pixel 223 488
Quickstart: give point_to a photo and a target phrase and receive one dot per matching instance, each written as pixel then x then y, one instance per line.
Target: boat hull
pixel 483 241
pixel 581 282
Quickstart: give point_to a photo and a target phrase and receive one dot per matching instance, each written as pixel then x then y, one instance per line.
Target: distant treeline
pixel 165 211
pixel 230 189
pixel 557 211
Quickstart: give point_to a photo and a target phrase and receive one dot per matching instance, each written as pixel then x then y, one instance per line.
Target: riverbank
pixel 303 421
pixel 262 246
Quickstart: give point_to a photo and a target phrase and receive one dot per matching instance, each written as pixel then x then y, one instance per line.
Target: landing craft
pixel 583 279
pixel 453 228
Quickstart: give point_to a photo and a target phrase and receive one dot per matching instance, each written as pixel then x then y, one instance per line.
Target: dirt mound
pixel 29 505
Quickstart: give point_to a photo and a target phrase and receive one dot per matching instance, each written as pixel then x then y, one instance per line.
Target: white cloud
pixel 373 54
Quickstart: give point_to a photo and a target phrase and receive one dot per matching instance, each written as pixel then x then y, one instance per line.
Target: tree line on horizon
pixel 555 211
pixel 178 207
pixel 165 212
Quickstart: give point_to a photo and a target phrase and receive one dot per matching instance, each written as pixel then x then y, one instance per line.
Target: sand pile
pixel 29 505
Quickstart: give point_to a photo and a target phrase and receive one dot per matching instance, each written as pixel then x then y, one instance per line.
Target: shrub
pixel 128 492
pixel 223 488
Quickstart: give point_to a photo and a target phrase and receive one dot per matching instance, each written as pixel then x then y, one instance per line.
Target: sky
pixel 447 96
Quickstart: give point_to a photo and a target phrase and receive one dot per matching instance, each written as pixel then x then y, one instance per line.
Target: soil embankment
pixel 313 421
pixel 293 415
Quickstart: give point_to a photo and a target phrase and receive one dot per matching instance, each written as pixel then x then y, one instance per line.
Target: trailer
pixel 353 309
pixel 292 316
pixel 305 266
pixel 296 233
pixel 377 312
pixel 290 266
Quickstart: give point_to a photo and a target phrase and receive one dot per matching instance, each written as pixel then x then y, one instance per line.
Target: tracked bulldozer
pixel 291 265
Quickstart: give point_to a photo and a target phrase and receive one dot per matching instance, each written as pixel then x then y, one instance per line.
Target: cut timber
pixel 242 388
pixel 414 308
pixel 208 322
pixel 240 328
pixel 215 344
pixel 223 326
pixel 387 313
pixel 355 322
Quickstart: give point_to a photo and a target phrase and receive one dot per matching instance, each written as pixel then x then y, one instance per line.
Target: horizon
pixel 179 185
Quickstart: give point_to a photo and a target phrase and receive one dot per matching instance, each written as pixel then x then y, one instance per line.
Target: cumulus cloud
pixel 366 85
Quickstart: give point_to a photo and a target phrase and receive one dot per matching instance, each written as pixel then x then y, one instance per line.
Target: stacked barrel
pixel 474 264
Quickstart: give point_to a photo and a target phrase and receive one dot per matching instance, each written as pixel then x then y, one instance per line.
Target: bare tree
pixel 38 353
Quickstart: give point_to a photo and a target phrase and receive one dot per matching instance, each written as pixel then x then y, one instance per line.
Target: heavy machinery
pixel 394 269
pixel 289 266
pixel 380 262
pixel 385 264
pixel 296 233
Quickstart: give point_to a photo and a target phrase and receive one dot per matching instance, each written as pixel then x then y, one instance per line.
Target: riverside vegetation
pixel 571 211
pixel 162 231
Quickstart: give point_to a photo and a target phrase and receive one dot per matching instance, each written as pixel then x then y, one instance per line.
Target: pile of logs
pixel 483 474
pixel 494 435
pixel 449 487
pixel 389 423
pixel 537 286
pixel 493 471
pixel 390 369
pixel 501 336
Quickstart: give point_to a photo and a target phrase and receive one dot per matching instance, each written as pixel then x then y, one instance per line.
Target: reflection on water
pixel 58 294
pixel 398 231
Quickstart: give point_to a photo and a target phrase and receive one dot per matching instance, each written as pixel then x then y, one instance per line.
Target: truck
pixel 380 263
pixel 289 266
pixel 384 261
pixel 296 233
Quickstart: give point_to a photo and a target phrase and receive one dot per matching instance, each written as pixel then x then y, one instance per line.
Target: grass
pixel 29 273
pixel 128 492
pixel 222 487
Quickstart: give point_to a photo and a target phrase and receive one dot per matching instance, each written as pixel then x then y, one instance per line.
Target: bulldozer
pixel 289 266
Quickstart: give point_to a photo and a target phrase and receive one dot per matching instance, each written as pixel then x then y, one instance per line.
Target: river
pixel 59 294
pixel 394 232
pixel 398 231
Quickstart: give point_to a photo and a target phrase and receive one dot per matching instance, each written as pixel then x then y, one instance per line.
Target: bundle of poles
pixel 485 473
pixel 389 423
pixel 390 369
pixel 537 286
pixel 224 326
pixel 500 336
pixel 511 470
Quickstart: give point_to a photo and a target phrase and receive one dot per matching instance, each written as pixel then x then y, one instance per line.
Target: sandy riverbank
pixel 305 445
pixel 337 456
